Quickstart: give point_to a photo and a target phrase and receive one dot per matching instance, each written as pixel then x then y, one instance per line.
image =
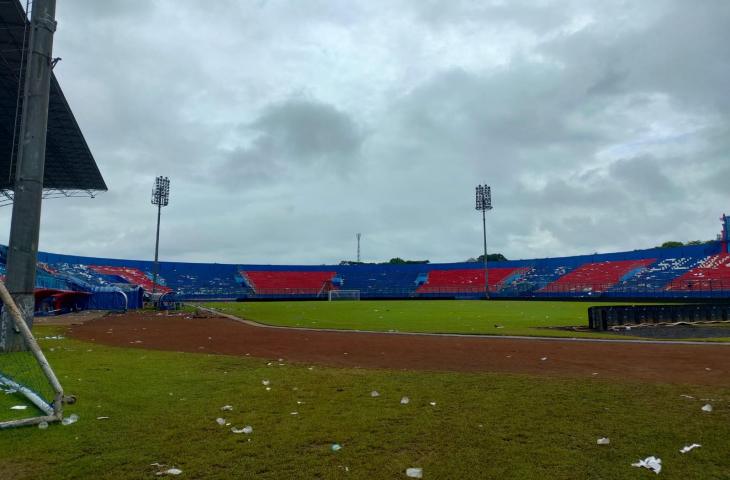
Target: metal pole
pixel 157 248
pixel 358 247
pixel 486 270
pixel 28 189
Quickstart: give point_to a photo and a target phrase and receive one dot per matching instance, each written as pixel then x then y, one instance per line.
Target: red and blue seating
pixel 596 277
pixel 131 275
pixel 467 280
pixel 275 282
pixel 712 274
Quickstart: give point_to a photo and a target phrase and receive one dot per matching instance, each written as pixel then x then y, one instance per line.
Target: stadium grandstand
pixel 691 271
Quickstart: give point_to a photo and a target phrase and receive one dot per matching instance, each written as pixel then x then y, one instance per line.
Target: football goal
pixel 30 393
pixel 344 295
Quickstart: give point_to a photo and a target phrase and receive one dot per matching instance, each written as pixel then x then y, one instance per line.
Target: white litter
pixel 336 447
pixel 414 472
pixel 294 413
pixel 265 382
pixel 19 407
pixel 543 359
pixel 433 404
pixel 603 441
pixel 687 448
pixel 247 429
pixel 73 418
pixel 268 389
pixel 707 408
pixel 170 471
pixel 226 408
pixel 102 418
pixel 43 425
pixel 405 401
pixel 374 393
pixel 652 463
pixel 687 396
pixel 220 421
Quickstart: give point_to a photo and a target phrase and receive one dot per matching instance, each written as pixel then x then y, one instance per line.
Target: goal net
pixel 344 295
pixel 29 390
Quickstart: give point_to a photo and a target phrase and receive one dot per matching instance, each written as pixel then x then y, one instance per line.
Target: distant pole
pixel 484 203
pixel 358 235
pixel 28 189
pixel 161 198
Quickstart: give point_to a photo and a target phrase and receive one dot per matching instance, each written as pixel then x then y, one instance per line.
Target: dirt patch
pixel 77 318
pixel 684 364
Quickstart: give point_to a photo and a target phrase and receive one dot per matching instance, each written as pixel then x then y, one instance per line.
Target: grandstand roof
pixel 69 164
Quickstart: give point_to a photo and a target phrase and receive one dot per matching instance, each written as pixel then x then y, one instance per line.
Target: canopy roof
pixel 70 167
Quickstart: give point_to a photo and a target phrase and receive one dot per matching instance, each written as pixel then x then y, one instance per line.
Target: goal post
pixel 343 295
pixel 29 388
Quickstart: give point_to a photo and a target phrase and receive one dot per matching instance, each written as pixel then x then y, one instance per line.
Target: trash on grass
pixel 226 408
pixel 220 421
pixel 687 448
pixel 19 407
pixel 374 393
pixel 414 472
pixel 405 401
pixel 102 418
pixel 603 441
pixel 170 471
pixel 652 463
pixel 433 404
pixel 265 382
pixel 73 418
pixel 247 429
pixel 43 425
pixel 336 447
pixel 707 408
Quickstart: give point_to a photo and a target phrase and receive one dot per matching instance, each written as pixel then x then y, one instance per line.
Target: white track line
pixel 466 335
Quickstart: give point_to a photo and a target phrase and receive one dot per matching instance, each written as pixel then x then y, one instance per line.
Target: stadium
pixel 600 365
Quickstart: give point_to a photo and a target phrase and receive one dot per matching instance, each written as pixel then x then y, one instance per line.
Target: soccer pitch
pixel 141 407
pixel 533 318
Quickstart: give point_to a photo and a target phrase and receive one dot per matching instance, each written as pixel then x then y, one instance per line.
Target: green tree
pixel 671 244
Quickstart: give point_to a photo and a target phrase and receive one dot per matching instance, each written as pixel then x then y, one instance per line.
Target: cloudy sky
pixel 288 126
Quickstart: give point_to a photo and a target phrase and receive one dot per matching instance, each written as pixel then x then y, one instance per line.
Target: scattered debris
pixel 707 408
pixel 374 393
pixel 226 408
pixel 294 413
pixel 414 472
pixel 336 447
pixel 19 407
pixel 687 396
pixel 268 389
pixel 73 418
pixel 102 418
pixel 652 463
pixel 265 382
pixel 543 359
pixel 247 429
pixel 220 421
pixel 170 471
pixel 405 401
pixel 687 448
pixel 603 441
pixel 43 425
pixel 433 404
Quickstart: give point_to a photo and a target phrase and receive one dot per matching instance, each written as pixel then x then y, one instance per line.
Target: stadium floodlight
pixel 484 204
pixel 161 198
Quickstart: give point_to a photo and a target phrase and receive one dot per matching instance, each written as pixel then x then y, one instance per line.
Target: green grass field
pixel 530 318
pixel 163 406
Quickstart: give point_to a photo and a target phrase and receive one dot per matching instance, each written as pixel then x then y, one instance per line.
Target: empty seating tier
pixel 713 274
pixel 596 277
pixel 132 275
pixel 273 282
pixel 466 280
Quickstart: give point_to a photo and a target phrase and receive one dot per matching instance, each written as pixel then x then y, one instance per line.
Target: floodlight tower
pixel 484 204
pixel 161 198
pixel 358 235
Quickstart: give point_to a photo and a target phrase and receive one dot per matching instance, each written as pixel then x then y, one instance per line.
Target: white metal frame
pixel 54 411
pixel 338 292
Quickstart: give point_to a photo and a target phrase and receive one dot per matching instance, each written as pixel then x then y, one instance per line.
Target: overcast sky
pixel 288 126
